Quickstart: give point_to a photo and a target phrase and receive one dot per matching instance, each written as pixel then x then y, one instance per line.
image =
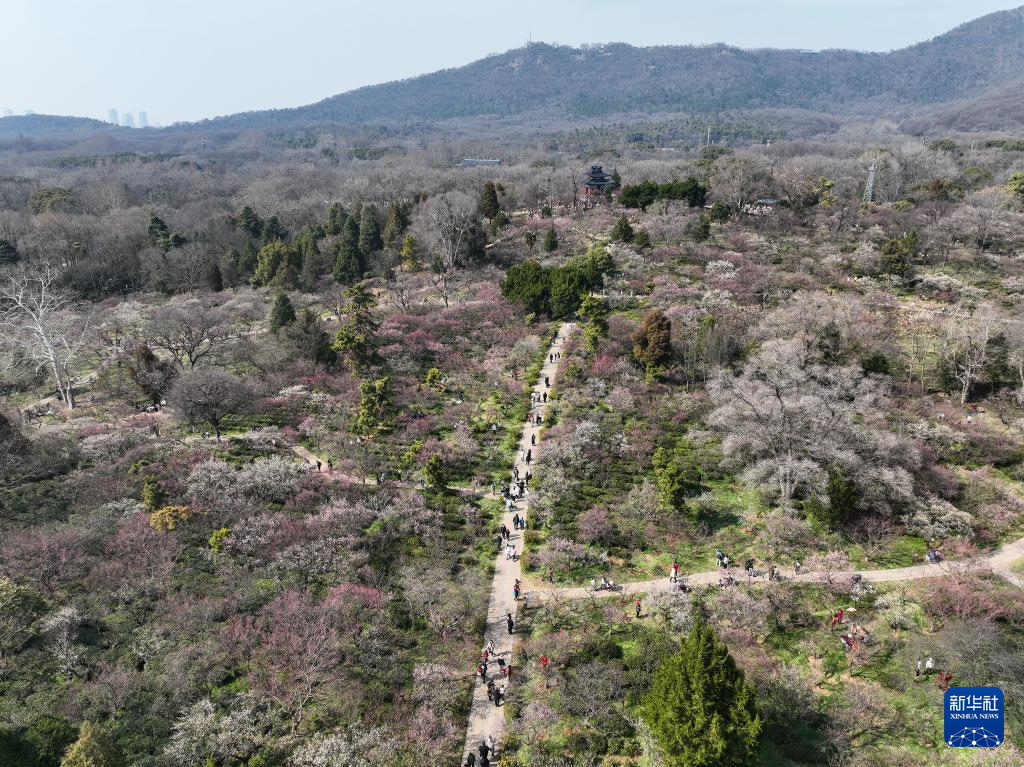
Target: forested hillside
pixel 565 83
pixel 640 446
pixel 280 428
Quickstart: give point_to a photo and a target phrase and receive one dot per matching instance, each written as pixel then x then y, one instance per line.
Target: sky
pixel 190 59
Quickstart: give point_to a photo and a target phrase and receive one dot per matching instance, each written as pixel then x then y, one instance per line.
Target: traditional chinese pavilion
pixel 596 182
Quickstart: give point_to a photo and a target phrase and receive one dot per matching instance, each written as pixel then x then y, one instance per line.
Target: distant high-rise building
pixel 29 112
pixel 127 120
pixel 143 120
pixel 8 113
pixel 112 116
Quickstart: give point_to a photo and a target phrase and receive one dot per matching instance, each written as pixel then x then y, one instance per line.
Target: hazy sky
pixel 188 59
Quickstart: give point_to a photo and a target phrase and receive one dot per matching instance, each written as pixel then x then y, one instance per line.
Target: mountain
pixel 968 79
pixel 560 84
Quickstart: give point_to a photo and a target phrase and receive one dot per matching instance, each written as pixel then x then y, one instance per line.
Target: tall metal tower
pixel 869 188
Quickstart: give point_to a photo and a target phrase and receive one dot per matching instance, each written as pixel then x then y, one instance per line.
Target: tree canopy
pixel 691 190
pixel 700 708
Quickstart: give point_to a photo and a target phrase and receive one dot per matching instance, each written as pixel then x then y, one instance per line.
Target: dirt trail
pixel 486 719
pixel 999 562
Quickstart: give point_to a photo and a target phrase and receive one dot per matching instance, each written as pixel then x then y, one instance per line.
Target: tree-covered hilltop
pixel 562 82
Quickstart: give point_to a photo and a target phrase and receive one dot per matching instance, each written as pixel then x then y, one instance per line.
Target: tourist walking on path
pixel 486 715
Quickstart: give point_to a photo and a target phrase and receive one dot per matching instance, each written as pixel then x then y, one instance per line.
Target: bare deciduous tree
pixel 965 348
pixel 189 331
pixel 40 321
pixel 208 395
pixel 448 220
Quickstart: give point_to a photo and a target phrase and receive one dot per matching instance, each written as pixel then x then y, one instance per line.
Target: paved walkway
pixel 486 719
pixel 999 562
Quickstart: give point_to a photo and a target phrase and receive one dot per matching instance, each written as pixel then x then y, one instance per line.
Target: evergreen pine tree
pixel 282 312
pixel 595 311
pixel 312 268
pixel 528 283
pixel 474 244
pixel 499 222
pixel 699 229
pixel 898 254
pixel 489 206
pixel 409 253
pixel 214 278
pixel 354 338
pixel 307 337
pixel 152 493
pixel 1015 185
pixel 435 474
pixel 652 341
pixel 374 404
pixel 356 214
pixel 336 217
pixel 274 266
pixel 94 748
pixel 159 234
pixel 622 231
pixel 395 224
pixel 273 230
pixel 348 261
pixel 8 253
pixel 369 232
pixel 700 709
pixel 679 473
pixel 531 239
pixel 550 240
pixel 247 262
pixel 49 737
pixel 641 239
pixel 567 288
pixel 250 222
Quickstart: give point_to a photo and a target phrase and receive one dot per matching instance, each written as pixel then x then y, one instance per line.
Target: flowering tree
pixel 203 734
pixel 357 747
pixel 796 424
pixel 294 652
pixel 61 630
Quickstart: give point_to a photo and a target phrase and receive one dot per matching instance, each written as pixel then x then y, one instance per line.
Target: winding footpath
pixel 486 719
pixel 999 562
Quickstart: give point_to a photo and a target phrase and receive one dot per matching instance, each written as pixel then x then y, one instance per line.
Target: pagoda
pixel 596 182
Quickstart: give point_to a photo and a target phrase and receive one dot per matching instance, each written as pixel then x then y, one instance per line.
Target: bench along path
pixel 999 562
pixel 484 717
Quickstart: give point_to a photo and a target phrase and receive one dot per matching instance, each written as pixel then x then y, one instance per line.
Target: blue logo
pixel 974 717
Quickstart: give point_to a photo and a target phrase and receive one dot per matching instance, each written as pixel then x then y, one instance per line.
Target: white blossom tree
pixel 358 747
pixel 61 630
pixel 791 420
pixel 203 734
